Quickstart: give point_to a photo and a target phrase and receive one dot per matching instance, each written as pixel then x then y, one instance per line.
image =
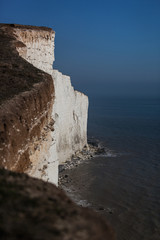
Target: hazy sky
pixel 107 47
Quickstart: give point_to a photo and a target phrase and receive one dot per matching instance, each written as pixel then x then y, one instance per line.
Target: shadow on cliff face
pixel 33 209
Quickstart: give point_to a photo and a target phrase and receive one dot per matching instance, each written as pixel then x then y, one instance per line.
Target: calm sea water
pixel 124 186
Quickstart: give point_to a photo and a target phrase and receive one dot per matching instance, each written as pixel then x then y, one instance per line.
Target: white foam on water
pixel 76 198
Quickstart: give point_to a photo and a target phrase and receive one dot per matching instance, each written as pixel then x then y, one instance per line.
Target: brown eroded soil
pixel 26 101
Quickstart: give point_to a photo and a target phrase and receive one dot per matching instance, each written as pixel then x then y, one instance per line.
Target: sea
pixel 123 185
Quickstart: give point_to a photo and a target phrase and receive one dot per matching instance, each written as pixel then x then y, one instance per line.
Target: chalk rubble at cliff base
pixel 87 153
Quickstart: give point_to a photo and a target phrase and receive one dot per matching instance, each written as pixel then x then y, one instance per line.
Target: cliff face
pixel 26 124
pixel 38 48
pixel 70 113
pixel 43 121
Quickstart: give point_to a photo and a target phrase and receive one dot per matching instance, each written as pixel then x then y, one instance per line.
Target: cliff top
pixel 33 209
pixel 27 27
pixel 16 74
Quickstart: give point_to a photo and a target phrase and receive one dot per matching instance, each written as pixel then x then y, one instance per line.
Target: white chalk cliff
pixel 70 107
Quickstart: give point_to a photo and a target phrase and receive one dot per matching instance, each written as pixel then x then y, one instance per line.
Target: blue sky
pixel 107 47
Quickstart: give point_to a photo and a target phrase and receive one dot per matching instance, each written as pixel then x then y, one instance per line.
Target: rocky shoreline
pixel 91 150
pixel 95 148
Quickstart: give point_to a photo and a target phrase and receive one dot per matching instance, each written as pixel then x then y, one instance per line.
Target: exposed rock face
pixel 33 209
pixel 38 46
pixel 70 113
pixel 26 124
pixel 43 121
pixel 70 109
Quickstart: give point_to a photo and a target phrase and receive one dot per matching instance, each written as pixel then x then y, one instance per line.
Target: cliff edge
pixel 33 209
